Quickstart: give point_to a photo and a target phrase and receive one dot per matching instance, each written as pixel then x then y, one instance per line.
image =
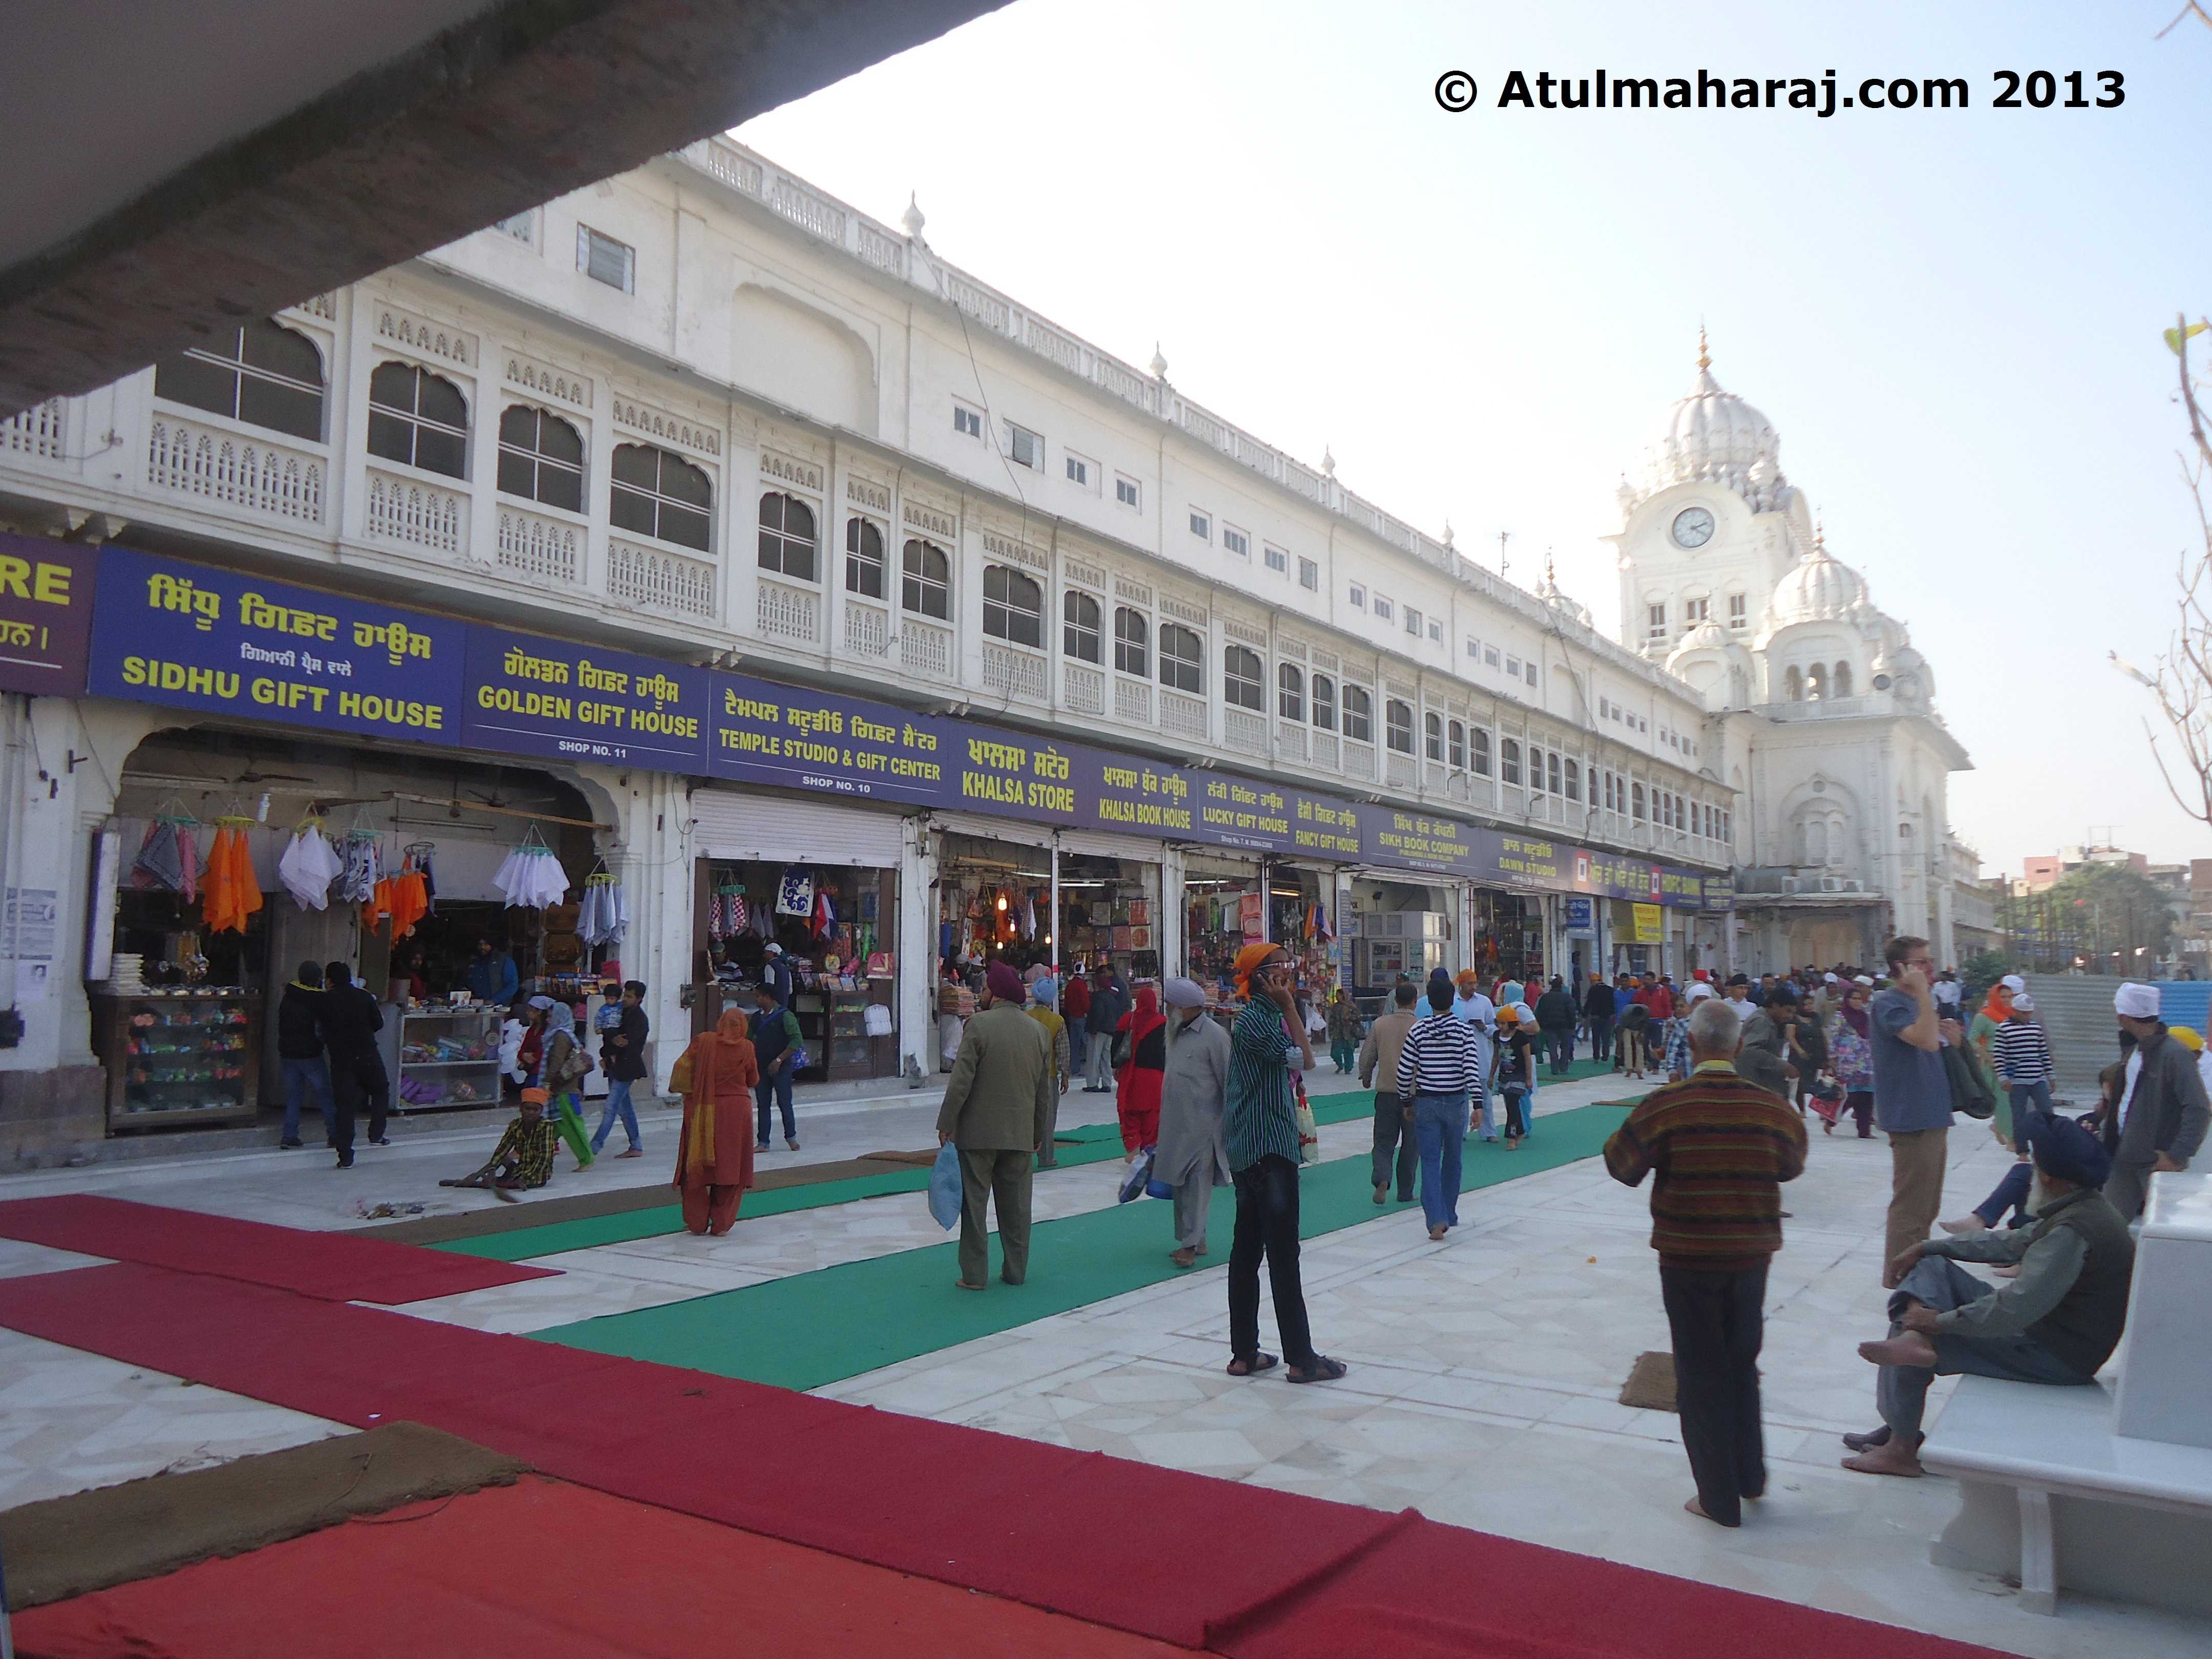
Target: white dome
pixel 1715 436
pixel 1818 588
pixel 1556 597
pixel 1707 636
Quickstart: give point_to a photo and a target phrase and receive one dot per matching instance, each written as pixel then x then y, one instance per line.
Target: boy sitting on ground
pixel 523 1157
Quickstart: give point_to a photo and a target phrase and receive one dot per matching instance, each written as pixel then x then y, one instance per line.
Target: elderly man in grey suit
pixel 998 1110
pixel 2161 1117
pixel 1192 1158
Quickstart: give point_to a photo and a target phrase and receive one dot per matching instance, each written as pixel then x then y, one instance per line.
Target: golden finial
pixel 1820 536
pixel 1548 580
pixel 1704 357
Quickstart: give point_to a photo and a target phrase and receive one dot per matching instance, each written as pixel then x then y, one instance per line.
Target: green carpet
pixel 818 1327
pixel 1094 1143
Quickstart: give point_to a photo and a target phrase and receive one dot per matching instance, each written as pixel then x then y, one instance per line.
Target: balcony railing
pixel 668 581
pixel 539 548
pixel 230 470
pixel 416 514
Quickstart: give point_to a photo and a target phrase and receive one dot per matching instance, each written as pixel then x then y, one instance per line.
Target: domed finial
pixel 1704 357
pixel 912 218
pixel 1328 462
pixel 1549 581
pixel 1447 535
pixel 1159 364
pixel 1819 538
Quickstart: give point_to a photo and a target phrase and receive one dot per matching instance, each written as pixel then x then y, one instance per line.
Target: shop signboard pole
pixel 1052 956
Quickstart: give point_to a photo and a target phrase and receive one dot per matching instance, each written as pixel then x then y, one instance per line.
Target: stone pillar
pixel 916 936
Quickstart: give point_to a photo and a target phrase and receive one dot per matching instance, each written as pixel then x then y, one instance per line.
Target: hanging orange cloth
pixel 377 906
pixel 409 899
pixel 245 890
pixel 216 903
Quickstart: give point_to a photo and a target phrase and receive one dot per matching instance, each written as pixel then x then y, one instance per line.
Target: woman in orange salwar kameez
pixel 714 1153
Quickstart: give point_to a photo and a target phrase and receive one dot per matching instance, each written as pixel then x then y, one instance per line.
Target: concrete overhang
pixel 174 168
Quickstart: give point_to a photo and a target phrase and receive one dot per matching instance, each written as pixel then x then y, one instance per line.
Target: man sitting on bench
pixel 523 1157
pixel 2057 1322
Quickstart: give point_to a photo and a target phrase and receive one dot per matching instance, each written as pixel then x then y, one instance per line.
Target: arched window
pixel 1432 736
pixel 1183 659
pixel 926 582
pixel 1132 641
pixel 1574 781
pixel 1291 692
pixel 1636 802
pixel 1457 746
pixel 1552 772
pixel 1535 768
pixel 1509 761
pixel 1013 606
pixel 657 493
pixel 1080 635
pixel 541 457
pixel 1841 684
pixel 1324 703
pixel 1358 715
pixel 260 373
pixel 1242 681
pixel 1816 682
pixel 418 419
pixel 865 571
pixel 786 534
pixel 1398 725
pixel 1793 686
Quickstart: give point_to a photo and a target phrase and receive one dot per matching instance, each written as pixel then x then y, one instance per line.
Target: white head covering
pixel 1863 980
pixel 1828 979
pixel 1183 993
pixel 2014 983
pixel 774 949
pixel 2023 1004
pixel 1699 990
pixel 2136 1001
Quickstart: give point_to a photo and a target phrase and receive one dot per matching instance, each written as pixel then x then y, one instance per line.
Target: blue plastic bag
pixel 1138 1177
pixel 945 1187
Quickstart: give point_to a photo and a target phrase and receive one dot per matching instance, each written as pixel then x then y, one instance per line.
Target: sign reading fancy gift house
pixel 195 637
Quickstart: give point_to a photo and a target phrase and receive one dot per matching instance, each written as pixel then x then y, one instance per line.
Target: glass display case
pixel 184 1056
pixel 442 1057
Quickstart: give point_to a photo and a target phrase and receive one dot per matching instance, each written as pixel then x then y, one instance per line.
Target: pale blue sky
pixel 1951 317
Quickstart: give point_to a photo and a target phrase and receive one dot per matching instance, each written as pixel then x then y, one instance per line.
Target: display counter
pixel 441 1056
pixel 181 1056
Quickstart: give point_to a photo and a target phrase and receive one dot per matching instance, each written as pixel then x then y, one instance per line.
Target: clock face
pixel 1693 527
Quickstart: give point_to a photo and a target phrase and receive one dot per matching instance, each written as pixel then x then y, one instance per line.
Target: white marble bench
pixel 2049 1493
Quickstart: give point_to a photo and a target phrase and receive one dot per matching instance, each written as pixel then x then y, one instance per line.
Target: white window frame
pixel 1435 631
pixel 1201 525
pixel 586 238
pixel 1019 439
pixel 1490 656
pixel 1072 463
pixel 1236 541
pixel 1358 596
pixel 1128 493
pixel 1413 620
pixel 1275 558
pixel 1738 610
pixel 968 421
pixel 1383 610
pixel 1309 575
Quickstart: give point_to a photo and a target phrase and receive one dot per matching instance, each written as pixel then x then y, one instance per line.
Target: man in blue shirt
pixel 490 976
pixel 1912 1093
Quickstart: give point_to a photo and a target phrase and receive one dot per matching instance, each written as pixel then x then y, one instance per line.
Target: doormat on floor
pixel 91 1540
pixel 1651 1385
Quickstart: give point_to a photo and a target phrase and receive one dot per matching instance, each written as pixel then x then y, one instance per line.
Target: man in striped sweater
pixel 1439 1073
pixel 1721 1146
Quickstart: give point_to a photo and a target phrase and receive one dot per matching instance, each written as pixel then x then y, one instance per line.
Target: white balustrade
pixel 1291 741
pixel 867 630
pixel 668 581
pixel 37 432
pixel 1183 715
pixel 231 469
pixel 1082 690
pixel 1133 702
pixel 924 650
pixel 540 547
pixel 416 514
pixel 1242 729
pixel 1359 759
pixel 1014 673
pixel 1325 757
pixel 789 613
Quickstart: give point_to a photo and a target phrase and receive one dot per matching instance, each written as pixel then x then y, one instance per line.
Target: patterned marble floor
pixel 1483 1389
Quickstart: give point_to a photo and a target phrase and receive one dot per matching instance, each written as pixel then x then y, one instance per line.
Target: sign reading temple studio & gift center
pixel 193 636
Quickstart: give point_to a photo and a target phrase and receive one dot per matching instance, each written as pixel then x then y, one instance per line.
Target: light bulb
pixel 1002 901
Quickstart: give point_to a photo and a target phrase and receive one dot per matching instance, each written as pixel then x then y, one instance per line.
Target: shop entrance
pixel 1398 930
pixel 414 851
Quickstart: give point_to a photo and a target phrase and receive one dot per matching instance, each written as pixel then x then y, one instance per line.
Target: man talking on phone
pixel 1911 1094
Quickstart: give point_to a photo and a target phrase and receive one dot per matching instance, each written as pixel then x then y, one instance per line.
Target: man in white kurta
pixel 1191 1158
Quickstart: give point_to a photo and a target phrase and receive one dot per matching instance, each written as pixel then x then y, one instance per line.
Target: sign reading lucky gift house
pixel 195 637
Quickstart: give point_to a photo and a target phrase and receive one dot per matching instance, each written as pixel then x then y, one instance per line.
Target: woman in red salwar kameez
pixel 714 1153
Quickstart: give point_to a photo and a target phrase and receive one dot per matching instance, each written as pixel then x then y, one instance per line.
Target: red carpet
pixel 610 1577
pixel 334 1266
pixel 1253 1573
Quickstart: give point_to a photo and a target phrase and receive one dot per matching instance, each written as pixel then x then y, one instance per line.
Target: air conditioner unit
pixel 1793 884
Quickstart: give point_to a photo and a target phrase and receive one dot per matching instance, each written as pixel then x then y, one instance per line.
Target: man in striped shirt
pixel 2021 1055
pixel 1721 1146
pixel 1439 1071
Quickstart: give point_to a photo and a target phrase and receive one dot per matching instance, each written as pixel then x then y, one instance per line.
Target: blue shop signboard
pixel 194 637
pixel 797 738
pixel 526 695
pixel 1582 915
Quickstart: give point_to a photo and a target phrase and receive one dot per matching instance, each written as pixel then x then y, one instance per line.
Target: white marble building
pixel 1822 715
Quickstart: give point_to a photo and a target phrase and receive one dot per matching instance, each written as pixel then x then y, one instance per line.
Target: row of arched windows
pixel 266 375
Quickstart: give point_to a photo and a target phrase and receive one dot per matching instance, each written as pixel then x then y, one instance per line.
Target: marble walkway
pixel 1482 1391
